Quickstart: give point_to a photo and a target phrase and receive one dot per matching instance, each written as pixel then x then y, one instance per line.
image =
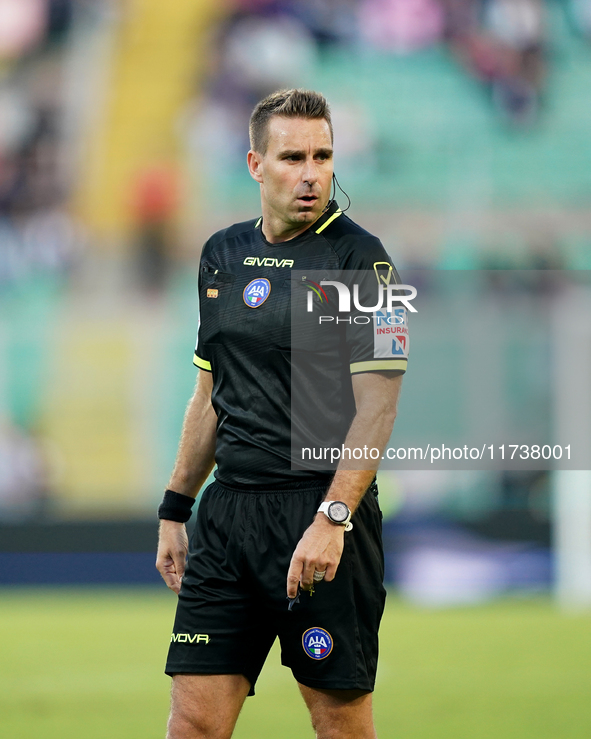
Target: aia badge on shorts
pixel 256 292
pixel 317 643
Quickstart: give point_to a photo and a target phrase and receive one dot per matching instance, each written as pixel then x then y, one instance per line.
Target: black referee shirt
pixel 245 340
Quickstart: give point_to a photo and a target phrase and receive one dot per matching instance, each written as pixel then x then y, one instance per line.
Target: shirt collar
pixel 331 212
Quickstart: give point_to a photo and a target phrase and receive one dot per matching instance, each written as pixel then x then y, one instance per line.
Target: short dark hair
pixel 294 103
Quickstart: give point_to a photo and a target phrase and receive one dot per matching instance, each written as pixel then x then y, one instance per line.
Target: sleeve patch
pixel 391 340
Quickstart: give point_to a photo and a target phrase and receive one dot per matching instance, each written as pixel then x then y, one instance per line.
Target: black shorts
pixel 233 600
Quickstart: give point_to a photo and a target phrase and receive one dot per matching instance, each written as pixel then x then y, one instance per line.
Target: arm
pixel 194 462
pixel 321 546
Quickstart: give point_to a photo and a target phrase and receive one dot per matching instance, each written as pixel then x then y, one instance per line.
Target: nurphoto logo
pixel 344 297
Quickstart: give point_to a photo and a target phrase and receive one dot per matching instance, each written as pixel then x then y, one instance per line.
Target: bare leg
pixel 205 706
pixel 340 714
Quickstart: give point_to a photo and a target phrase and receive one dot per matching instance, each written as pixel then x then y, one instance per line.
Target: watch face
pixel 338 511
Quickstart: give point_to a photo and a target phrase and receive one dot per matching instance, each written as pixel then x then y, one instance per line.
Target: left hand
pixel 320 548
pixel 173 545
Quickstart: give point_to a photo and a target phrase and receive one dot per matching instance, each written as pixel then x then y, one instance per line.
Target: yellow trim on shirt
pixel 258 223
pixel 377 365
pixel 329 221
pixel 201 363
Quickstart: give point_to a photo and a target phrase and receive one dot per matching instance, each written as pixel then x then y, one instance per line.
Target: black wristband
pixel 175 507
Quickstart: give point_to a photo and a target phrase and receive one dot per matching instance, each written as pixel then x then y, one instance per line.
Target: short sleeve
pixel 377 333
pixel 200 357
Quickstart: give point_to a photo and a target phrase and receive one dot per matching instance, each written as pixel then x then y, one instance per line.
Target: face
pixel 295 173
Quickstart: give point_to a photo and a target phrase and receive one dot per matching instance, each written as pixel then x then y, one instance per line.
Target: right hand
pixel 320 549
pixel 173 546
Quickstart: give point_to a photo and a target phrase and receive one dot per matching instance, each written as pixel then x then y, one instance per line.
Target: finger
pixel 179 560
pixel 331 571
pixel 293 577
pixel 174 583
pixel 172 580
pixel 307 576
pixel 162 564
pixel 319 571
pixel 321 566
pixel 167 569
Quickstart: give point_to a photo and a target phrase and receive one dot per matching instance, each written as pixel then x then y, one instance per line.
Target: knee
pixel 343 717
pixel 334 731
pixel 326 732
pixel 205 706
pixel 335 726
pixel 191 725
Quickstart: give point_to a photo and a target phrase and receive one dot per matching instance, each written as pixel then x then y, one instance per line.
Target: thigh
pixel 330 638
pixel 220 627
pixel 205 705
pixel 346 714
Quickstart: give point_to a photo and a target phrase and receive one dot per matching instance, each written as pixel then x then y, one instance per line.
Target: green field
pixel 88 663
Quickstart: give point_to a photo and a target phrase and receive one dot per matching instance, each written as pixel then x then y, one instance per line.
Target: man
pixel 259 536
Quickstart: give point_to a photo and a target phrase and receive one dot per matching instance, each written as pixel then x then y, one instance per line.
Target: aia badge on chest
pixel 317 643
pixel 256 292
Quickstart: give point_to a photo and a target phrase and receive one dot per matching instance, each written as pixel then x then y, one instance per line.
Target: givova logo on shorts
pixel 317 643
pixel 190 638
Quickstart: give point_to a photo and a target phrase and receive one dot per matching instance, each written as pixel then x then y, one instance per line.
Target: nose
pixel 310 172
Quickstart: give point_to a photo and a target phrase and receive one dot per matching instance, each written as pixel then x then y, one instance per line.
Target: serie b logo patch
pixel 317 643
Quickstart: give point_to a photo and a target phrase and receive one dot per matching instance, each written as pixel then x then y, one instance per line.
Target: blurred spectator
pixel 59 19
pixel 23 473
pixel 519 26
pixel 260 54
pixel 156 197
pixel 263 54
pixel 17 121
pixel 402 26
pixel 45 241
pixel 23 24
pixel 462 18
pixel 27 24
pixel 35 229
pixel 331 22
pixel 502 42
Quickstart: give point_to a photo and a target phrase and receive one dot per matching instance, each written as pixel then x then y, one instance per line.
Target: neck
pixel 275 234
pixel 276 230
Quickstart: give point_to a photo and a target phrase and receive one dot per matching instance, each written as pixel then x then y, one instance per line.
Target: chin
pixel 303 217
pixel 309 215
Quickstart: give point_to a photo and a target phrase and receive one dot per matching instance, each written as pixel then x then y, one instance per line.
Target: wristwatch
pixel 337 512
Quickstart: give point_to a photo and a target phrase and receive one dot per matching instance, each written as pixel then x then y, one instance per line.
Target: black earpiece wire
pixel 335 184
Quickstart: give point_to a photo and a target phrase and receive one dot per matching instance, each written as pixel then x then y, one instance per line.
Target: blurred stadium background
pixel 463 137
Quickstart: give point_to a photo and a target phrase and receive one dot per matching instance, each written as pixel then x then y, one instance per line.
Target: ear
pixel 255 161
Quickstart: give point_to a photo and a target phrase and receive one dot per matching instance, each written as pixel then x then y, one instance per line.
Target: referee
pixel 277 551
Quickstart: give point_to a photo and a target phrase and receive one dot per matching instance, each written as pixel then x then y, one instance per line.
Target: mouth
pixel 308 199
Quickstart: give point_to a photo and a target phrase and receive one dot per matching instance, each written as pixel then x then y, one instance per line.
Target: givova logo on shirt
pixel 317 643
